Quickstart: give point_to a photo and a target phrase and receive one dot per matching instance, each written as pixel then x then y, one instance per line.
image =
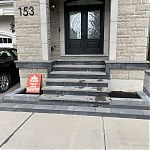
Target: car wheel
pixel 4 82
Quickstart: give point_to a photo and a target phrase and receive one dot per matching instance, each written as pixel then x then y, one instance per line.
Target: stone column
pixel 32 37
pixel 44 12
pixel 113 29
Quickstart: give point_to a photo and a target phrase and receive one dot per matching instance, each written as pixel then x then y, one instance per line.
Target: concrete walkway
pixel 48 131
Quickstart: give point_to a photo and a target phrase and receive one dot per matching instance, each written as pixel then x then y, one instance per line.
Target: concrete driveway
pixel 14 87
pixel 49 131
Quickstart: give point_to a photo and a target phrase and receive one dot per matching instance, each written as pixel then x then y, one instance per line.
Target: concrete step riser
pixel 78 69
pixel 76 84
pixel 83 93
pixel 77 76
pixel 80 63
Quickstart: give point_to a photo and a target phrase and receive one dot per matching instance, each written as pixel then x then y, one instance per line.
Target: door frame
pixel 100 7
pixel 148 54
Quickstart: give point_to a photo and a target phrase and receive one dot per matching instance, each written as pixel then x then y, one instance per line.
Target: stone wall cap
pixel 35 62
pixel 125 62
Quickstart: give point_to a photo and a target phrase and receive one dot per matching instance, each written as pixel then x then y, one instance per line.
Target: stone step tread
pixel 68 80
pixel 73 109
pixel 70 98
pixel 81 59
pixel 78 73
pixel 79 66
pixel 77 99
pixel 100 99
pixel 126 99
pixel 75 88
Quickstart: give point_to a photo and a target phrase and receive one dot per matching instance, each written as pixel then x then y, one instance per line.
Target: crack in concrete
pixel 7 140
pixel 104 132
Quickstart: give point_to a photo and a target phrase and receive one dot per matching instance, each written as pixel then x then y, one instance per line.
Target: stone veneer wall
pixel 132 39
pixel 28 31
pixel 126 80
pixel 28 37
pixel 132 36
pixel 24 75
pixel 127 74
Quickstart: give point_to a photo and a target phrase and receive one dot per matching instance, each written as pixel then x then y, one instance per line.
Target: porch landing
pixel 82 58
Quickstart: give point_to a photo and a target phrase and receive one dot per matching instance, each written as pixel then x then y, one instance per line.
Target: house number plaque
pixel 26 11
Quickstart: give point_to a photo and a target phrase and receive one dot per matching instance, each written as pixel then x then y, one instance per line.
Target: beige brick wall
pixel 126 80
pixel 132 35
pixel 28 31
pixel 24 72
pixel 24 75
pixel 127 74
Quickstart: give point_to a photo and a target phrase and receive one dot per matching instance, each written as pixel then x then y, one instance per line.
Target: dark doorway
pixel 84 25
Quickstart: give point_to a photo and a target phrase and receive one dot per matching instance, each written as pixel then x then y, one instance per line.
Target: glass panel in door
pixel 94 24
pixel 75 24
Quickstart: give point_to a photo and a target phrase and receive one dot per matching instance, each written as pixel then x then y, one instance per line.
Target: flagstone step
pixel 75 90
pixel 79 67
pixel 76 100
pixel 72 98
pixel 78 74
pixel 76 110
pixel 83 58
pixel 77 82
pixel 80 62
pixel 76 78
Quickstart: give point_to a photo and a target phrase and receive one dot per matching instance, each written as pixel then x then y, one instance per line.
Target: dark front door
pixel 84 29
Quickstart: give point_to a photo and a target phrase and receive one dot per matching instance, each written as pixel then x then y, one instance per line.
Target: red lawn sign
pixel 34 83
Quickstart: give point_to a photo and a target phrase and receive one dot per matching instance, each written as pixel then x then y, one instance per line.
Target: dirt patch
pixel 100 99
pixel 99 80
pixel 99 89
pixel 81 81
